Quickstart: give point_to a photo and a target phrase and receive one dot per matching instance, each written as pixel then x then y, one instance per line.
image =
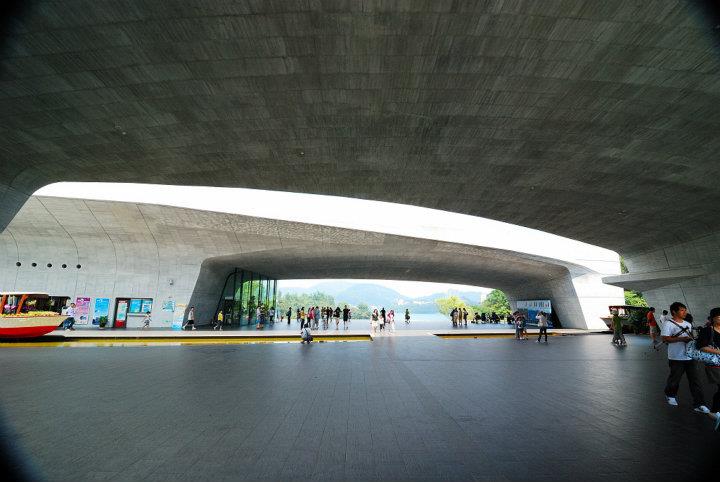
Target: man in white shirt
pixel 542 324
pixel 70 321
pixel 676 333
pixel 665 318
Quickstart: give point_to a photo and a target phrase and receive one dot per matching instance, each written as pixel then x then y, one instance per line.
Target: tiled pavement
pixel 405 408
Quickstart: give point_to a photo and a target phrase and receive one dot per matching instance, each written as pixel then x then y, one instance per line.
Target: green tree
pixel 445 305
pixel 496 301
pixel 361 311
pixel 298 300
pixel 633 298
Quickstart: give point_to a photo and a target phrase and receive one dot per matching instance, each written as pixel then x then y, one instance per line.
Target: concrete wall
pixel 687 272
pixel 160 252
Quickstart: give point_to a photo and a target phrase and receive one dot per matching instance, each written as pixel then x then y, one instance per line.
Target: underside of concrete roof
pixel 592 120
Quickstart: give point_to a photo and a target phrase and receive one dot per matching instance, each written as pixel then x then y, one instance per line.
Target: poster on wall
pixel 82 310
pixel 168 305
pixel 167 312
pixel 122 308
pixel 135 305
pixel 179 316
pixel 101 311
pixel 146 306
pixel 530 308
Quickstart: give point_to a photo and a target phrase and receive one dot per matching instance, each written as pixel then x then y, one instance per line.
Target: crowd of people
pixel 459 317
pixel 691 350
pixel 317 317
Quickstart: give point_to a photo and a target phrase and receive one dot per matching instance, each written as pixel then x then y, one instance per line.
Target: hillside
pixel 379 296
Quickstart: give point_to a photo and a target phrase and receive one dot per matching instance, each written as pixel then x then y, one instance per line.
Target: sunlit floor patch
pixel 107 342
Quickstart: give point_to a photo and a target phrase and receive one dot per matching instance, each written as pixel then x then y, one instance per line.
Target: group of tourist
pixel 687 352
pixel 316 316
pixel 459 317
pixel 677 332
pixel 385 320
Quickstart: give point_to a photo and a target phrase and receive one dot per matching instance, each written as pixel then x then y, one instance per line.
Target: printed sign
pixel 135 305
pixel 168 305
pixel 82 310
pixel 530 308
pixel 101 311
pixel 146 306
pixel 121 314
pixel 178 316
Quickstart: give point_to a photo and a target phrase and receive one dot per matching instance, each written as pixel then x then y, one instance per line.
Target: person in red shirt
pixel 653 327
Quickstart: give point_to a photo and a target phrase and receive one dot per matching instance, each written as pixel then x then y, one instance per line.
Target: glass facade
pixel 243 292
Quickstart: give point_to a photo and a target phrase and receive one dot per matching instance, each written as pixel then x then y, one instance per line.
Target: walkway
pixel 401 408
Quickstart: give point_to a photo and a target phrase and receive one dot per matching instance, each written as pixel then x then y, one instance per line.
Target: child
pixel 146 321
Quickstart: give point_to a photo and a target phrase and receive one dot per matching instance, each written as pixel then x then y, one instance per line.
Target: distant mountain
pixel 379 296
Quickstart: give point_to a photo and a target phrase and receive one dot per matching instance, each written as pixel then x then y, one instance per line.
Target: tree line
pixel 318 298
pixel 495 301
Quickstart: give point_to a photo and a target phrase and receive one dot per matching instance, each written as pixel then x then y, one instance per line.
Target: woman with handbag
pixel 709 342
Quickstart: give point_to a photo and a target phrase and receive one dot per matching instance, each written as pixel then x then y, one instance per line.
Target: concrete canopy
pixel 511 111
pixel 592 120
pixel 133 250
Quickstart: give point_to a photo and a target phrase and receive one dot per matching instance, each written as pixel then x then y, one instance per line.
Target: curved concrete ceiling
pixel 586 119
pixel 122 246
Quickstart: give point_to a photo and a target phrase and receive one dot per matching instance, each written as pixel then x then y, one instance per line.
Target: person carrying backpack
pixel 305 335
pixel 709 342
pixel 676 333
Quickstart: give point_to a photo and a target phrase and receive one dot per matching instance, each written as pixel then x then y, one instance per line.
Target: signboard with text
pixel 82 310
pixel 101 311
pixel 530 308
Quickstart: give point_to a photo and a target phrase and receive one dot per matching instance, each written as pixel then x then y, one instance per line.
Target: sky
pixel 378 216
pixel 411 289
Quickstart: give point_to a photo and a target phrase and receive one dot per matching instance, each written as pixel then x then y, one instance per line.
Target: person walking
pixel 219 321
pixel 677 333
pixel 146 321
pixel 453 317
pixel 374 320
pixel 652 327
pixel 618 337
pixel 407 316
pixel 271 315
pixel 518 326
pixel 70 320
pixel 542 325
pixel 302 317
pixel 190 323
pixel 336 315
pixel 465 315
pixel 289 314
pixel 382 319
pixel 709 342
pixel 391 321
pixel 346 317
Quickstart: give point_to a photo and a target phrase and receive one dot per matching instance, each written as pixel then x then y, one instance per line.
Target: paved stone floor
pixel 406 408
